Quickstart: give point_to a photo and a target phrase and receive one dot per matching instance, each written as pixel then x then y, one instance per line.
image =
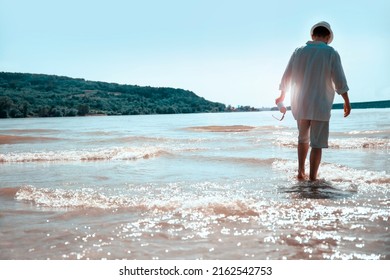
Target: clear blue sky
pixel 233 52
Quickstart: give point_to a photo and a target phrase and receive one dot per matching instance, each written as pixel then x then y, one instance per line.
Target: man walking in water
pixel 313 75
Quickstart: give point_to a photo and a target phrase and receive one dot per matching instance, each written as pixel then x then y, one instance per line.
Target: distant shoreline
pixel 365 105
pixel 380 104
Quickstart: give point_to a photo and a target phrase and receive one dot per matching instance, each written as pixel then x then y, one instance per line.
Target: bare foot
pixel 313 178
pixel 302 176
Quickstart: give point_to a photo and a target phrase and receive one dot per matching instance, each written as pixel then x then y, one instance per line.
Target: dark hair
pixel 321 31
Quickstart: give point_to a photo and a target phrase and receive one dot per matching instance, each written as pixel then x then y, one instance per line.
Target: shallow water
pixel 199 186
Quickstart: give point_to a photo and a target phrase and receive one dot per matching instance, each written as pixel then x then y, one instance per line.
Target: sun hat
pixel 327 26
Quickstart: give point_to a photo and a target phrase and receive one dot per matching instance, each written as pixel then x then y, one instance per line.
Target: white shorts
pixel 314 132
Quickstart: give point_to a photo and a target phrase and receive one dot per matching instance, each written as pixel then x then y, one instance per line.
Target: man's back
pixel 314 73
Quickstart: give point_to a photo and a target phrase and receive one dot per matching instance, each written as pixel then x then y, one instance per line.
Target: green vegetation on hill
pixel 365 105
pixel 38 95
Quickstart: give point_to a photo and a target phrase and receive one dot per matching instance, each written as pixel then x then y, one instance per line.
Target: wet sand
pixel 13 139
pixel 218 128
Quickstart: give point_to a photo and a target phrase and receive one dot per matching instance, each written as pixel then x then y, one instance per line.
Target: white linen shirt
pixel 312 76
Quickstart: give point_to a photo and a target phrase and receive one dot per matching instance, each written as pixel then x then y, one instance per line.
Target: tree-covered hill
pixel 38 95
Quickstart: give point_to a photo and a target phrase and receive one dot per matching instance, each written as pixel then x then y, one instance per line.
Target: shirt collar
pixel 318 43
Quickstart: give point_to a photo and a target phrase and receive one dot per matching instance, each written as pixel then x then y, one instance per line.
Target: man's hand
pixel 347 105
pixel 347 109
pixel 280 98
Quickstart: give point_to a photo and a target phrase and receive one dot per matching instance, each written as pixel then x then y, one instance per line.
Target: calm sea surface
pixel 197 186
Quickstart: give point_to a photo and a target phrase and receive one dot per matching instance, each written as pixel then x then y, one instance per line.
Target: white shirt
pixel 313 74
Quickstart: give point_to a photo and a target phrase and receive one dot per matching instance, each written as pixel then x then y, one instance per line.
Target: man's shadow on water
pixel 317 190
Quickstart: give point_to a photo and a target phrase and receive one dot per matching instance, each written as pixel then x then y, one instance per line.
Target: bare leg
pixel 315 160
pixel 303 149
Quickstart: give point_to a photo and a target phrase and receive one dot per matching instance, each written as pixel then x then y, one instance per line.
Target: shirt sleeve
pixel 338 75
pixel 286 79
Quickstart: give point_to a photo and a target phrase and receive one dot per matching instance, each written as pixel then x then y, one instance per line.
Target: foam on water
pixel 341 143
pixel 112 153
pixel 236 197
pixel 338 174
